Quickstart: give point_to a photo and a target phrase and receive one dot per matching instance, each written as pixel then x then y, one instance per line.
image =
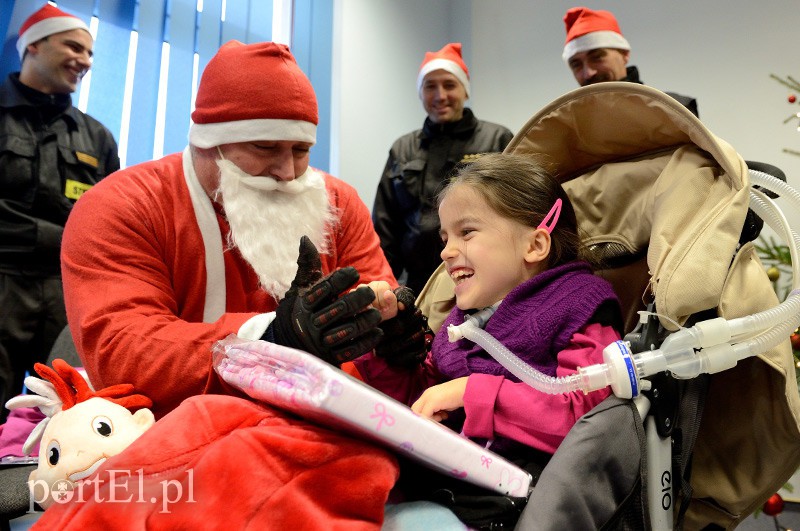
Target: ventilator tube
pixel 472 329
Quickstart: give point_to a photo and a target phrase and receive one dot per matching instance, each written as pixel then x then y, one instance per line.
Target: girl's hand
pixel 436 401
pixel 385 299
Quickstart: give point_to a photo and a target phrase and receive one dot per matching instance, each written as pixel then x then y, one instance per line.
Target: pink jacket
pixel 496 406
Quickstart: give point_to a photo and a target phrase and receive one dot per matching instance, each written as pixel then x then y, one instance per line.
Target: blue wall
pixel 187 32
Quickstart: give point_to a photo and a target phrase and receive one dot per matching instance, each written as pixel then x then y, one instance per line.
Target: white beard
pixel 268 217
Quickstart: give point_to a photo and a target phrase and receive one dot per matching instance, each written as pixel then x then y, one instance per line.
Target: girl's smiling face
pixel 486 254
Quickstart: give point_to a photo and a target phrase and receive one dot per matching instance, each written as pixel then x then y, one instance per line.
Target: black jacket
pixel 687 101
pixel 50 153
pixel 405 214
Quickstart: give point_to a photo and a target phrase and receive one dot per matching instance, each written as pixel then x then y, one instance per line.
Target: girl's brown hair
pixel 520 189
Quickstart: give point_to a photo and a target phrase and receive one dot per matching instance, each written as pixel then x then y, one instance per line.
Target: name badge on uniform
pixel 470 157
pixel 75 189
pixel 87 159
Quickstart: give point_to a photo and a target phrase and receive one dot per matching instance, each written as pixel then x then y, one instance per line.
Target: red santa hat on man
pixel 45 22
pixel 447 59
pixel 252 92
pixel 588 30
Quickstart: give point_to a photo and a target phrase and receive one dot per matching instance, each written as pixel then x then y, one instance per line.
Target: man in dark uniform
pixel 50 153
pixel 405 213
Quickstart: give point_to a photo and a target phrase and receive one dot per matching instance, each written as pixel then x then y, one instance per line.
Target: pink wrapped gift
pixel 307 386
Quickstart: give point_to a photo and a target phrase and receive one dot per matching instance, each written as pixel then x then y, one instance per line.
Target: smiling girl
pixel 511 237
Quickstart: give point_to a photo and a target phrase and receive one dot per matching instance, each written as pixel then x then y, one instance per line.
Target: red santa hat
pixel 251 92
pixel 45 22
pixel 447 59
pixel 588 30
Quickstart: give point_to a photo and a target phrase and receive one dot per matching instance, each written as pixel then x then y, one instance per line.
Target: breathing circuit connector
pixel 687 353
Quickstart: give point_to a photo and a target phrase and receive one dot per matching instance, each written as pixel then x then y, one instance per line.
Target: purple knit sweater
pixel 535 321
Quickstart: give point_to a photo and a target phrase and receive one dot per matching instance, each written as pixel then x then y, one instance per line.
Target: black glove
pixel 315 318
pixel 405 339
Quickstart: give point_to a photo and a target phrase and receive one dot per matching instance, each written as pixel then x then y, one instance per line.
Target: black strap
pixel 693 403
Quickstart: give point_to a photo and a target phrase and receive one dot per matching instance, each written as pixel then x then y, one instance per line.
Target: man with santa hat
pixel 167 257
pixel 50 153
pixel 596 51
pixel 405 213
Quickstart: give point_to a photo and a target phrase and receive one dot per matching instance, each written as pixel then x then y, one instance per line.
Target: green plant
pixel 778 261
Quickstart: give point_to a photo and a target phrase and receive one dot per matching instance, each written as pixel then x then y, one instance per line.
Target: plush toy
pixel 81 428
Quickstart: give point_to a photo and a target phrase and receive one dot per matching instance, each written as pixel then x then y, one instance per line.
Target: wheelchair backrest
pixel 663 201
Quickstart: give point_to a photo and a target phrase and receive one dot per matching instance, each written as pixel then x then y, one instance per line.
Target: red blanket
pixel 221 462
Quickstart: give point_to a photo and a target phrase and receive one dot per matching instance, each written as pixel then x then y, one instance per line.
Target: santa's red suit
pixel 149 289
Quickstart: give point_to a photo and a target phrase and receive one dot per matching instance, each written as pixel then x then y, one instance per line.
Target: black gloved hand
pixel 315 318
pixel 405 339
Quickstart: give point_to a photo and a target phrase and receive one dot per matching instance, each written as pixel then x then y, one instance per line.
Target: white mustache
pixel 268 183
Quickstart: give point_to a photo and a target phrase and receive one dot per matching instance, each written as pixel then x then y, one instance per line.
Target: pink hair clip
pixel 550 220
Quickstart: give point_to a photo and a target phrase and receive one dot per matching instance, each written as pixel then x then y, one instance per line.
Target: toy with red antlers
pixel 81 428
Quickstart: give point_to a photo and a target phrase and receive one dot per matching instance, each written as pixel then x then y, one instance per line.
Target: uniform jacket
pixel 148 288
pixel 405 212
pixel 50 153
